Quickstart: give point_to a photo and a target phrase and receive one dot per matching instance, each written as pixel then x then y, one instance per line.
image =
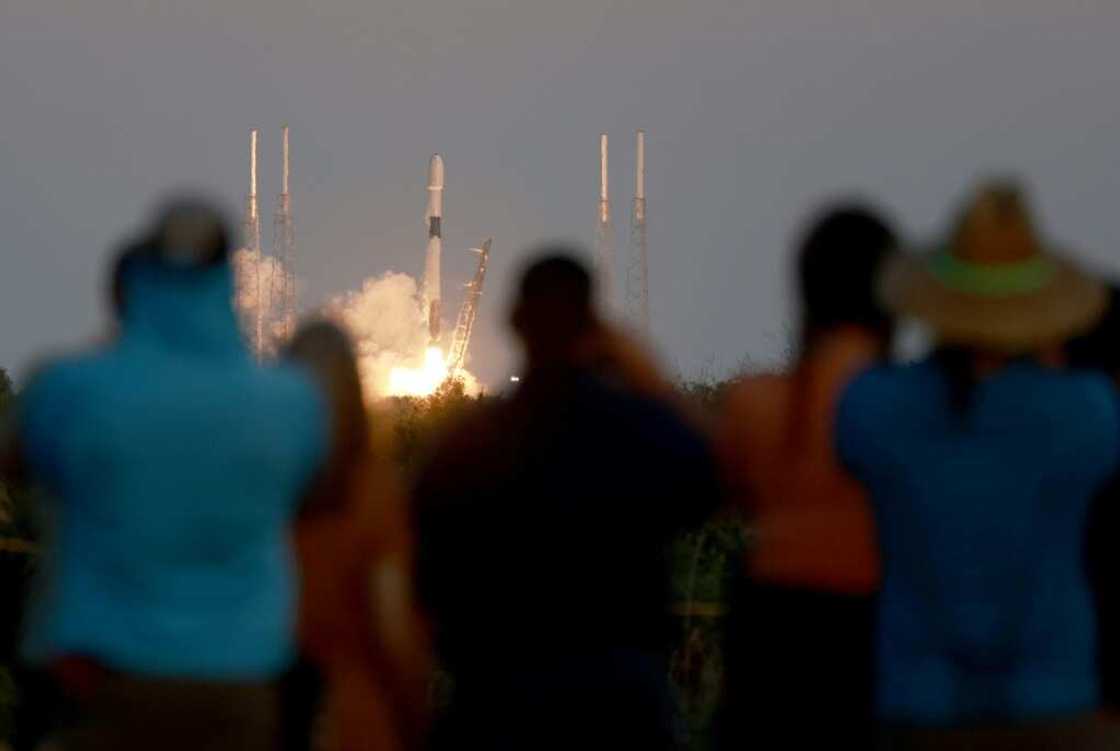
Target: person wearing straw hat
pixel 981 462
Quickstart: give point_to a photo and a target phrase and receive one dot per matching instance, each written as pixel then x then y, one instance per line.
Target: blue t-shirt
pixel 985 609
pixel 176 464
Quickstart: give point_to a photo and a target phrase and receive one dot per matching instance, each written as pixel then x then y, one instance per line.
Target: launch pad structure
pixel 464 326
pixel 248 285
pixel 637 257
pixel 604 235
pixel 266 293
pixel 281 305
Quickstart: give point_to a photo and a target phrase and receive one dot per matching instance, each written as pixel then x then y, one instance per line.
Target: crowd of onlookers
pixel 231 562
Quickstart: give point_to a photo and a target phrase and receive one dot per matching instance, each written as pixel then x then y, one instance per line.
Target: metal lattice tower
pixel 604 236
pixel 282 295
pixel 461 338
pixel 637 261
pixel 248 280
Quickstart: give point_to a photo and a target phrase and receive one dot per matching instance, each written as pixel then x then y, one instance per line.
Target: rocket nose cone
pixel 435 172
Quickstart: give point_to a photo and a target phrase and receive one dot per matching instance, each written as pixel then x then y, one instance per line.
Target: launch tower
pixel 637 262
pixel 249 281
pixel 604 236
pixel 282 296
pixel 461 338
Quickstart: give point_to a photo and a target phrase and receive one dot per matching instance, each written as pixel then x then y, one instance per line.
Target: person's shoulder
pixel 1064 389
pixel 1086 394
pixel 754 405
pixel 57 377
pixel 757 391
pixel 876 401
pixel 885 385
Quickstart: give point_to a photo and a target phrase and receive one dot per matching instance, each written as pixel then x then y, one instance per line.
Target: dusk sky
pixel 756 111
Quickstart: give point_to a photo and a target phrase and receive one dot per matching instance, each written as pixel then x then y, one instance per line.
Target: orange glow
pixel 420 381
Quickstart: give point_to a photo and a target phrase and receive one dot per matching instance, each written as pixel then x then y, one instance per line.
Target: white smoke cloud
pixel 386 319
pixel 260 284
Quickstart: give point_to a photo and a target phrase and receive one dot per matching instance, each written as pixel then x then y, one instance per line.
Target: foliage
pixel 418 423
pixel 17 501
pixel 7 391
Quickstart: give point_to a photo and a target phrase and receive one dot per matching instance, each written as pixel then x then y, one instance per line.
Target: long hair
pixel 958 369
pixel 326 351
pixel 838 262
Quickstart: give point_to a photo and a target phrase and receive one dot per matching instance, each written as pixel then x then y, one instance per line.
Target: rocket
pixel 434 217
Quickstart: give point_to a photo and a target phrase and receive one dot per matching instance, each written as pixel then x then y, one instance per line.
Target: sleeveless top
pixel 813 523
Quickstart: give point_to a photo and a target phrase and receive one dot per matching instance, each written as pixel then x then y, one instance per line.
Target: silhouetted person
pixel 167 605
pixel 543 522
pixel 799 642
pixel 358 629
pixel 981 462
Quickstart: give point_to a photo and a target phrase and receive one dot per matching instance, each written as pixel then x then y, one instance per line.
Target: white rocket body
pixel 434 217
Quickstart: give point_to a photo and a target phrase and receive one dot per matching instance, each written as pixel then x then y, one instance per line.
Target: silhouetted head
pixel 837 267
pixel 190 233
pixel 185 233
pixel 554 309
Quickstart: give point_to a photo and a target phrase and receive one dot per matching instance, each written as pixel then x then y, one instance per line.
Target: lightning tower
pixel 434 216
pixel 604 236
pixel 282 296
pixel 248 281
pixel 461 338
pixel 637 262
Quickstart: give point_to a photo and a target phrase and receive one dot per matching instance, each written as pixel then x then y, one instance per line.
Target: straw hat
pixel 994 285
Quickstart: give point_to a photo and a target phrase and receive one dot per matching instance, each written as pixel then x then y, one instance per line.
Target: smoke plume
pixel 260 281
pixel 386 320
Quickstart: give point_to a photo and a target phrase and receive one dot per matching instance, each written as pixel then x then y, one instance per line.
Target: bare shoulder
pixel 758 394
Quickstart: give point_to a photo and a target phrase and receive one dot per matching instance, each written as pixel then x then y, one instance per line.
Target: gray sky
pixel 756 110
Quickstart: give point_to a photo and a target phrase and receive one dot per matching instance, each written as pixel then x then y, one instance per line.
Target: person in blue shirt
pixel 981 462
pixel 176 464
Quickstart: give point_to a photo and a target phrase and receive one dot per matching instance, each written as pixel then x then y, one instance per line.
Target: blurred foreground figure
pixel 1099 351
pixel 168 597
pixel 358 626
pixel 800 637
pixel 543 525
pixel 981 463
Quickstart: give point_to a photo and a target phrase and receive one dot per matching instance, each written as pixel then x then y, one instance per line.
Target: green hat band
pixel 997 280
